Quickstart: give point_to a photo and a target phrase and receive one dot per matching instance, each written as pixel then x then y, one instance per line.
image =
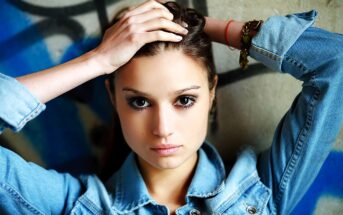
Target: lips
pixel 165 146
pixel 166 149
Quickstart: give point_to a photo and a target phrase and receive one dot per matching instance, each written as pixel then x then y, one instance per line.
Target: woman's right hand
pixel 144 23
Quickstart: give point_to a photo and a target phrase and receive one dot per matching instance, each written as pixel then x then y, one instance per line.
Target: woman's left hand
pixel 142 24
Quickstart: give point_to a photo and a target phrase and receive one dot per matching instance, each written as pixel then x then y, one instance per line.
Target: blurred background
pixel 70 136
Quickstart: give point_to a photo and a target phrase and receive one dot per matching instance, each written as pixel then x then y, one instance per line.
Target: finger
pixel 163 24
pixel 113 30
pixel 153 36
pixel 145 6
pixel 143 12
pixel 150 14
pixel 184 24
pixel 161 1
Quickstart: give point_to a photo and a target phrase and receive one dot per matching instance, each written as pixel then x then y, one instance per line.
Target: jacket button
pixel 194 212
pixel 252 210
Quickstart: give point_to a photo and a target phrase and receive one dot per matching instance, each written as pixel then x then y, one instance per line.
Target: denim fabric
pixel 17 105
pixel 269 183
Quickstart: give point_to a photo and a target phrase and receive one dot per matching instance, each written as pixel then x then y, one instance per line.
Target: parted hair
pixel 196 44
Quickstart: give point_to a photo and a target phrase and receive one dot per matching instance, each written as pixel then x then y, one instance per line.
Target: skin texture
pixel 164 99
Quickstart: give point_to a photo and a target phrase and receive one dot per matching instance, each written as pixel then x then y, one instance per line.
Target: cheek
pixel 132 123
pixel 132 128
pixel 195 122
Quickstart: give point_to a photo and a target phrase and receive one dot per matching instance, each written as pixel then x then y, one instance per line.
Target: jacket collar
pixel 209 175
pixel 130 192
pixel 128 188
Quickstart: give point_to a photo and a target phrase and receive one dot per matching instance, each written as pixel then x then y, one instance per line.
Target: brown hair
pixel 196 44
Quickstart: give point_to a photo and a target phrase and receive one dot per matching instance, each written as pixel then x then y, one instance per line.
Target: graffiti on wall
pixel 59 134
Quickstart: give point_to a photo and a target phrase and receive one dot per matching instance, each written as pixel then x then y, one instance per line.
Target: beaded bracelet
pixel 248 31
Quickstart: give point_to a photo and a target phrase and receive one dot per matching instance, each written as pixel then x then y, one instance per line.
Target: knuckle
pixel 160 11
pixel 125 17
pixel 131 28
pixel 131 8
pixel 130 20
pixel 159 34
pixel 162 21
pixel 133 38
pixel 166 13
pixel 154 3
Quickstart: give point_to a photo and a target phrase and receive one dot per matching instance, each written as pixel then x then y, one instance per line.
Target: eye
pixel 185 101
pixel 139 103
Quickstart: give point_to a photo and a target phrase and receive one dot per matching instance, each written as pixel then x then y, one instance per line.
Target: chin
pixel 167 163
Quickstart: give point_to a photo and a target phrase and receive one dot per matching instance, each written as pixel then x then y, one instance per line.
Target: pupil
pixel 141 102
pixel 184 100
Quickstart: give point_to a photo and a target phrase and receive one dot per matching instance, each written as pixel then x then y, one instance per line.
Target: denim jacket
pixel 269 183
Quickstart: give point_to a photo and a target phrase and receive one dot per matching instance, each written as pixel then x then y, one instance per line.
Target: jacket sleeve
pixel 17 104
pixel 26 188
pixel 306 133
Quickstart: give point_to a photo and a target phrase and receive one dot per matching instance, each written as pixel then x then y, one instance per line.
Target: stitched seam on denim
pixel 140 204
pixel 265 197
pixel 249 181
pixel 209 194
pixel 301 139
pixel 245 184
pixel 267 53
pixel 31 115
pixel 128 207
pixel 133 208
pixel 16 195
pixel 118 194
pixel 89 205
pixel 217 189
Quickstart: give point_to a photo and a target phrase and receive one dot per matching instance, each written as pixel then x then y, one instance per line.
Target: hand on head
pixel 141 24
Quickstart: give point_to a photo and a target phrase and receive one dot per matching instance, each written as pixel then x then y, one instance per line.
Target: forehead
pixel 171 68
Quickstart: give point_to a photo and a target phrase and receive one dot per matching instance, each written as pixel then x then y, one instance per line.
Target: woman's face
pixel 163 103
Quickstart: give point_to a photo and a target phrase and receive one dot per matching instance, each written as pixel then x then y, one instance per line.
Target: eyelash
pixel 131 101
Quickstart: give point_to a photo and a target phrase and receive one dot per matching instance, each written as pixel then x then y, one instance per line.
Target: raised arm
pixel 26 188
pixel 306 133
pixel 145 23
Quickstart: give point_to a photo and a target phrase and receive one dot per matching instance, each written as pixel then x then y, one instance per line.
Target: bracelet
pixel 248 27
pixel 227 34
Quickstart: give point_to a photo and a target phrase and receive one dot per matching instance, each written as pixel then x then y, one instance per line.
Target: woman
pixel 162 88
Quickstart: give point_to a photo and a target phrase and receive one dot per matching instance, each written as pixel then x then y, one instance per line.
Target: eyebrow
pixel 193 87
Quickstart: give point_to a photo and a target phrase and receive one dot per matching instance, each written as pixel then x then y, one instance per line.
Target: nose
pixel 162 122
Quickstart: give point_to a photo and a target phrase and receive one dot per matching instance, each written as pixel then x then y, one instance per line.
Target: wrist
pixel 98 64
pixel 234 34
pixel 216 28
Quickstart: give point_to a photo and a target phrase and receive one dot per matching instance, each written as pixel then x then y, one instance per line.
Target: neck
pixel 169 186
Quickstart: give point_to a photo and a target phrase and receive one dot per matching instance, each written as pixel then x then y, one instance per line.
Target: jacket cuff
pixel 277 35
pixel 18 105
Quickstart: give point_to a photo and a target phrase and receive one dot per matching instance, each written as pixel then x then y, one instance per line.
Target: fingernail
pixel 171 16
pixel 184 24
pixel 178 37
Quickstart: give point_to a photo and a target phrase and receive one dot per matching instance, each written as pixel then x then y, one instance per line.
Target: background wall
pixel 37 34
